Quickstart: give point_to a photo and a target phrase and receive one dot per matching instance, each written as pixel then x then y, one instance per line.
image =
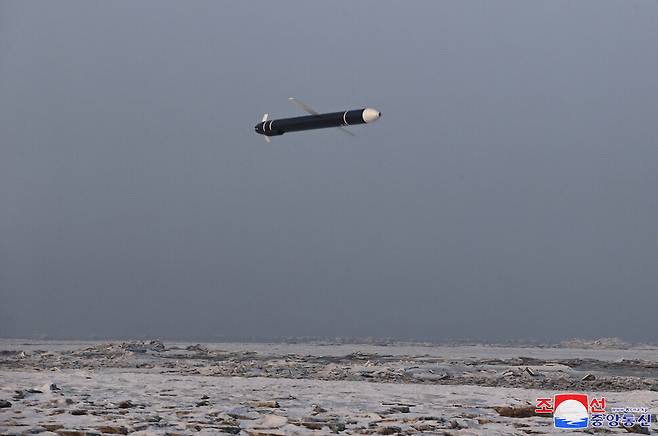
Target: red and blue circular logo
pixel 571 411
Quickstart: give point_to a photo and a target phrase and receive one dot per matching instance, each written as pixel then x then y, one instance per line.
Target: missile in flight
pixel 315 120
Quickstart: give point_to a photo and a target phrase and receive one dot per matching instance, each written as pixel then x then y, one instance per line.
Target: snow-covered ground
pixel 77 388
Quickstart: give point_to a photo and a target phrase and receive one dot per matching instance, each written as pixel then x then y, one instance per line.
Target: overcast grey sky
pixel 509 191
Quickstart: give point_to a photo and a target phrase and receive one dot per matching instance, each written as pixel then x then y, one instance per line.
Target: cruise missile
pixel 315 120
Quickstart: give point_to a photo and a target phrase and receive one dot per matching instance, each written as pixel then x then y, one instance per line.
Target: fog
pixel 509 191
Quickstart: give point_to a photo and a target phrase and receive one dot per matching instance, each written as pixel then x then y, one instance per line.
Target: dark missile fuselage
pixel 320 121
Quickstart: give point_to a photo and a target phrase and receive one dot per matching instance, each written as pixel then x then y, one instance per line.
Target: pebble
pixel 76 433
pixel 126 404
pixel 269 421
pixel 312 425
pixel 242 413
pixel 396 409
pixel 516 411
pixel 391 429
pixel 317 409
pixel 267 404
pixel 78 412
pixel 112 429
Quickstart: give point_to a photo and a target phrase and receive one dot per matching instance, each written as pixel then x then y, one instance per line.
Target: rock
pixel 317 409
pixel 139 427
pixel 112 429
pixel 265 432
pixel 424 427
pixel 56 412
pixel 20 394
pixel 203 403
pixel 520 425
pixel 270 421
pixel 197 347
pixel 396 409
pixel 126 404
pixel 312 425
pixel 427 376
pixel 336 426
pixel 4 404
pixel 638 429
pixel 50 387
pixel 242 413
pixel 589 377
pixel 143 347
pixel 156 345
pixel 76 433
pixel 391 429
pixel 230 429
pixel 318 423
pixel 517 411
pixel 78 412
pixel 52 427
pixel 267 404
pixel 455 425
pixel 530 371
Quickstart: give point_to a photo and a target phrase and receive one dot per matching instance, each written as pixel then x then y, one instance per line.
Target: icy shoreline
pixel 77 388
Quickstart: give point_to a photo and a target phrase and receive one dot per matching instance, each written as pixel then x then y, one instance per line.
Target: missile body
pixel 319 121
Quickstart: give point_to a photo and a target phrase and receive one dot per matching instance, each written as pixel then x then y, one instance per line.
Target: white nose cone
pixel 369 115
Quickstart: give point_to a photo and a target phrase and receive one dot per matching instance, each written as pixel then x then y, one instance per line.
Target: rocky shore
pixel 149 387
